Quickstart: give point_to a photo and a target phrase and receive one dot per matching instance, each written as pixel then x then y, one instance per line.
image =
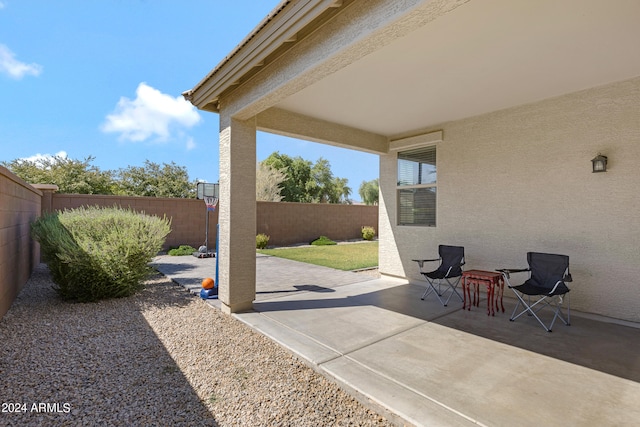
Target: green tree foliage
pixel 81 177
pixel 71 176
pixel 298 173
pixel 307 182
pixel 154 180
pixel 369 192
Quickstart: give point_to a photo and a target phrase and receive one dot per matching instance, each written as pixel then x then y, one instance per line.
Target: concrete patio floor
pixel 424 364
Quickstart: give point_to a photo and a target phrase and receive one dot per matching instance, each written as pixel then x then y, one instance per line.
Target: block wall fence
pixel 188 216
pixel 20 204
pixel 292 223
pixel 285 223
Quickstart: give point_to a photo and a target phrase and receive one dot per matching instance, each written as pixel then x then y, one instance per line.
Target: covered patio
pixel 503 102
pixel 418 362
pixel 432 366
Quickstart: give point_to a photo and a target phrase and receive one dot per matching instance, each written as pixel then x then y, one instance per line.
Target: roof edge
pixel 256 46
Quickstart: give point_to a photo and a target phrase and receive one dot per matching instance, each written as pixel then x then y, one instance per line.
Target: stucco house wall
pixel 520 109
pixel 520 180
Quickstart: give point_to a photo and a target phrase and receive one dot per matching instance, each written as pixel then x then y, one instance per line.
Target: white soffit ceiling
pixel 484 56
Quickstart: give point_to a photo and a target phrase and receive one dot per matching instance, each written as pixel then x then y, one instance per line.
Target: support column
pixel 237 215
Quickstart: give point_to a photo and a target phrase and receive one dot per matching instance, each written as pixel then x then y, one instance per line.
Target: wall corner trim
pixel 46 187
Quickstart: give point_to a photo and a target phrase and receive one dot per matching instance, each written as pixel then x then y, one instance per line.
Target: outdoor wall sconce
pixel 599 163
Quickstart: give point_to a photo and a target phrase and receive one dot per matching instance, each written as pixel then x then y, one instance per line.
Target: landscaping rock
pixel 161 357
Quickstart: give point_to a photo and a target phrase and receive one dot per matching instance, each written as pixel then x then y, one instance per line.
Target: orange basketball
pixel 208 283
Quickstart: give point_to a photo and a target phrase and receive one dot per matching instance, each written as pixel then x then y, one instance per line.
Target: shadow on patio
pixel 606 347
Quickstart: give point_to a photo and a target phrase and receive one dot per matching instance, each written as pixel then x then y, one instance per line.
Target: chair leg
pixel 515 309
pixel 541 303
pixel 454 290
pixel 439 292
pixel 427 291
pixel 528 308
pixel 432 288
pixel 558 312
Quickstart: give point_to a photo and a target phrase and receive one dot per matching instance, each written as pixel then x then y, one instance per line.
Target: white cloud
pixel 41 158
pixel 152 113
pixel 191 144
pixel 14 68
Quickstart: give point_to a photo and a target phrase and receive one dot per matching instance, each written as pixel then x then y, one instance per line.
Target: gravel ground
pixel 161 357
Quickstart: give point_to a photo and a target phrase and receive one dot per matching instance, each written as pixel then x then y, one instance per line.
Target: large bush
pixel 96 253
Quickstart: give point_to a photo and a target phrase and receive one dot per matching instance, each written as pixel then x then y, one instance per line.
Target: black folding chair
pixel 546 287
pixel 449 272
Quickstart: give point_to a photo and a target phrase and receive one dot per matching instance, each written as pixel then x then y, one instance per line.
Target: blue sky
pixel 103 78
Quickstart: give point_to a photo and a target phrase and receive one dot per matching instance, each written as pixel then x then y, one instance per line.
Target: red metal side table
pixel 491 280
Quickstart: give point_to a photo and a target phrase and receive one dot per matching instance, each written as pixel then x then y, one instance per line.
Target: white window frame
pixel 425 141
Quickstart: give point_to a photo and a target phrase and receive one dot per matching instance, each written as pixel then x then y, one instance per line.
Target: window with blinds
pixel 416 189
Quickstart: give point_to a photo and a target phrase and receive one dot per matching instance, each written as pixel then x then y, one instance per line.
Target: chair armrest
pixel 507 271
pixel 422 261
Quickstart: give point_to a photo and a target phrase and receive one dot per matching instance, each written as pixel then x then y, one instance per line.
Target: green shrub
pixel 261 241
pixel 182 250
pixel 368 233
pixel 323 240
pixel 96 253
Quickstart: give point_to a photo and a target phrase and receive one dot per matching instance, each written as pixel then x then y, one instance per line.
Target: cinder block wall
pixel 291 223
pixel 20 204
pixel 188 216
pixel 285 223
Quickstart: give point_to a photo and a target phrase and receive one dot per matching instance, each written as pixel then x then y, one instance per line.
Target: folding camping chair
pixel 449 272
pixel 548 274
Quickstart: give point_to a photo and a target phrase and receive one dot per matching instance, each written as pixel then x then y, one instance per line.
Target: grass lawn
pixel 342 257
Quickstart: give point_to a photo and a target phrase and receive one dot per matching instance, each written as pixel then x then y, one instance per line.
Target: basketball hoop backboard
pixel 206 189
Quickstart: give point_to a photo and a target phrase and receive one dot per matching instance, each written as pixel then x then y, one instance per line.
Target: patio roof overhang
pixel 276 33
pixel 407 68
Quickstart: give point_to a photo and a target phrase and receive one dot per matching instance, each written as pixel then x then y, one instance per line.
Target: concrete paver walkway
pixel 431 365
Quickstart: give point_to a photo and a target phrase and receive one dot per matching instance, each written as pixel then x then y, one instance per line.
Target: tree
pixel 81 177
pixel 71 176
pixel 342 190
pixel 154 180
pixel 268 183
pixel 307 182
pixel 297 172
pixel 369 192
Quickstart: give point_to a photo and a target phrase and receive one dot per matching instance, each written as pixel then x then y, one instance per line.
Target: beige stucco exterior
pixel 518 96
pixel 237 217
pixel 520 180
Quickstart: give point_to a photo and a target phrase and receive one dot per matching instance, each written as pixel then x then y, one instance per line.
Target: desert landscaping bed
pixel 161 357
